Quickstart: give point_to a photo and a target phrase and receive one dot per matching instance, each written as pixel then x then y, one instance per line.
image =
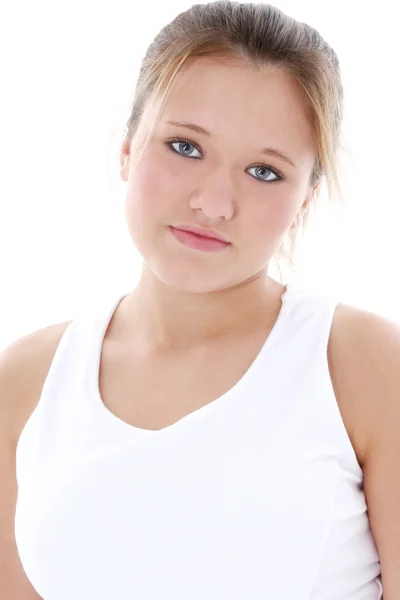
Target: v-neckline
pixel 202 411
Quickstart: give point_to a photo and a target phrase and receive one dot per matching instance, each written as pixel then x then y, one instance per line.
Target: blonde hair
pixel 262 35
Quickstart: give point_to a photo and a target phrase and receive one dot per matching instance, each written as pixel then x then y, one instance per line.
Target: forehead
pixel 231 98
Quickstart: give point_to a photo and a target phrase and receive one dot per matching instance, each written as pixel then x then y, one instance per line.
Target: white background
pixel 68 72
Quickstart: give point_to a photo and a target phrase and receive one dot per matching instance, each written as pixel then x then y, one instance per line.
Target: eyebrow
pixel 270 151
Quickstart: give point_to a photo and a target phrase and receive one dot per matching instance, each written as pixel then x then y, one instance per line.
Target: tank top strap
pixel 316 311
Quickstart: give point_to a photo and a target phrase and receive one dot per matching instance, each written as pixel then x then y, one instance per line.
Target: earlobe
pixel 124 165
pixel 124 158
pixel 297 222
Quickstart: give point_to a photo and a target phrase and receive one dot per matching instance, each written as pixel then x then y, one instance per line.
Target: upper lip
pixel 208 233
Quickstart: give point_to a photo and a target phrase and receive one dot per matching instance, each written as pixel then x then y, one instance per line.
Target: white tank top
pixel 257 495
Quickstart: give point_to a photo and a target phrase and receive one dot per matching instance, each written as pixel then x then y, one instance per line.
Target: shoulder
pixel 364 363
pixel 24 365
pixel 367 350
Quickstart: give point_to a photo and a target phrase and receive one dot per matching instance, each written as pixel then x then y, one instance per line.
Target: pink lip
pixel 207 233
pixel 199 239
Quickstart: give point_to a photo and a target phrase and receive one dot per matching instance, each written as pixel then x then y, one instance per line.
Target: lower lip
pixel 198 242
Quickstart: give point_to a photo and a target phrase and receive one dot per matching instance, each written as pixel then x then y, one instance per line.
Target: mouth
pixel 198 241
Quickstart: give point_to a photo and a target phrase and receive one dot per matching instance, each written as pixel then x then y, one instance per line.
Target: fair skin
pixel 191 309
pixel 187 299
pixel 186 296
pixel 364 357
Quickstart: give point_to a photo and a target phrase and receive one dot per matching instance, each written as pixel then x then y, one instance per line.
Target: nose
pixel 214 197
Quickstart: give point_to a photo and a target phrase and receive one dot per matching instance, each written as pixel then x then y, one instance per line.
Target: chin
pixel 196 272
pixel 192 281
pixel 197 279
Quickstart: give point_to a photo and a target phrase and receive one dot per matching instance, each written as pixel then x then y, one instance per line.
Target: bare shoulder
pixel 24 365
pixel 363 357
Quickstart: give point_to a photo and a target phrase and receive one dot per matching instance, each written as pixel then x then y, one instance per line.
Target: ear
pixel 297 221
pixel 124 160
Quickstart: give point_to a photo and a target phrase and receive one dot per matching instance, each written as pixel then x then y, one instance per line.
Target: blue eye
pixel 183 150
pixel 269 172
pixel 182 143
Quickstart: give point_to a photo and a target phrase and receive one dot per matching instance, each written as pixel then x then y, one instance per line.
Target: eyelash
pixel 186 140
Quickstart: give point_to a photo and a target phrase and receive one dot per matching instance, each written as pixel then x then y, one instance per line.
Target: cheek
pixel 144 194
pixel 154 187
pixel 270 221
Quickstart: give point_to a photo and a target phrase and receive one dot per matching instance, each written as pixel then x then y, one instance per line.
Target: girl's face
pixel 222 178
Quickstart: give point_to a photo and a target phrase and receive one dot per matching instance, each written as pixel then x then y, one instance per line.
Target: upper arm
pixel 23 367
pixel 374 346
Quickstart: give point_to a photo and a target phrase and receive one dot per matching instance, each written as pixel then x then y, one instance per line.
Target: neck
pixel 163 317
